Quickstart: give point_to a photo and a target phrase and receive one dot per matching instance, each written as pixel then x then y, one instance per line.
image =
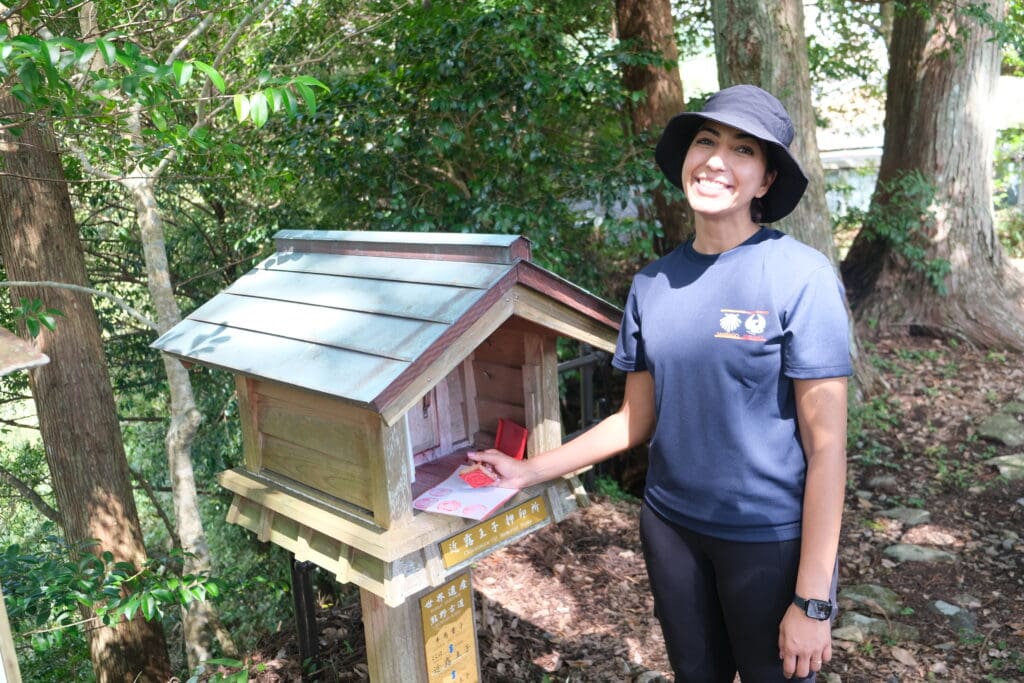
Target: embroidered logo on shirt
pixel 752 322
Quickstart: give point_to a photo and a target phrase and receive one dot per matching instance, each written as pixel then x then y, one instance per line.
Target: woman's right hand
pixel 511 473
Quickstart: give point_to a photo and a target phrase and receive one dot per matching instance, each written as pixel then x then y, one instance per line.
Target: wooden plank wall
pixel 498 377
pixel 324 443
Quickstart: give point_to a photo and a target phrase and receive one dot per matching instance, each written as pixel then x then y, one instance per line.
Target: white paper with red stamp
pixel 455 496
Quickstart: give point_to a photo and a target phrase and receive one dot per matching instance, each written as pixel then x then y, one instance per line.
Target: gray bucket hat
pixel 753 111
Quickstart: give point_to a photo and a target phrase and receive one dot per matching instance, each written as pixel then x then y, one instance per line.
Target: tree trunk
pixel 200 619
pixel 648 24
pixel 73 396
pixel 941 82
pixel 762 42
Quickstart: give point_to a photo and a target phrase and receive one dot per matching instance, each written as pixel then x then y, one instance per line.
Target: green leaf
pixel 182 72
pixel 308 96
pixel 274 98
pixel 258 110
pixel 224 661
pixel 241 107
pixel 309 80
pixel 211 73
pixel 52 52
pixel 290 103
pixel 108 51
pixel 85 54
pixel 148 606
pixel 33 327
pixel 29 76
pixel 158 120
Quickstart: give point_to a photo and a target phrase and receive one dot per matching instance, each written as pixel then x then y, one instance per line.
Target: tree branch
pixel 121 303
pixel 151 494
pixel 29 494
pixel 183 44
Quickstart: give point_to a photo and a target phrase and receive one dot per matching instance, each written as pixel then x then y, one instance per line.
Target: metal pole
pixel 305 614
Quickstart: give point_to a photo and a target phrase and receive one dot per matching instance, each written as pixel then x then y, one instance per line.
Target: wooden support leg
pixel 305 613
pixel 394 640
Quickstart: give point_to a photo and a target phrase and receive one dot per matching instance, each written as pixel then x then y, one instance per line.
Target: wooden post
pixel 9 672
pixel 430 638
pixel 394 640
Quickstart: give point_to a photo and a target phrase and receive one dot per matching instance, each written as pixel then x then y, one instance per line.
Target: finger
pixel 815 664
pixel 803 667
pixel 788 666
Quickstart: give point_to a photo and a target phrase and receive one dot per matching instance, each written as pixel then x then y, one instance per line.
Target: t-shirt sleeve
pixel 816 329
pixel 629 350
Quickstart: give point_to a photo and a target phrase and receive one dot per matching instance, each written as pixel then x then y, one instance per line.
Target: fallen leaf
pixel 904 657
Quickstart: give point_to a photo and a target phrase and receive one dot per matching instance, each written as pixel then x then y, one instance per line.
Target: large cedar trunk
pixel 762 42
pixel 648 24
pixel 73 396
pixel 940 86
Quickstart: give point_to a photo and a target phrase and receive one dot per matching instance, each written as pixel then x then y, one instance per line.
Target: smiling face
pixel 724 170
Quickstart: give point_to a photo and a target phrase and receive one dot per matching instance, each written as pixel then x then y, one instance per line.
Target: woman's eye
pixel 745 150
pixel 703 141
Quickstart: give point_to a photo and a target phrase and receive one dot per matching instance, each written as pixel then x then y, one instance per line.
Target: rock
pixel 1010 466
pixel 929 535
pixel 960 619
pixel 877 627
pixel 884 482
pixel 906 552
pixel 1004 428
pixel 865 595
pixel 967 601
pixel 851 634
pixel 1013 408
pixel 908 516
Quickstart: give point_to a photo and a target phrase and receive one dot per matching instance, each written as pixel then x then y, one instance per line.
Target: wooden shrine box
pixel 366 365
pixel 15 354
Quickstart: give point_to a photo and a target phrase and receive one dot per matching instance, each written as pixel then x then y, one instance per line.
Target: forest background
pixel 151 150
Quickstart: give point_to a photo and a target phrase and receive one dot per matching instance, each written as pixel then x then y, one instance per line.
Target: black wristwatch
pixel 815 609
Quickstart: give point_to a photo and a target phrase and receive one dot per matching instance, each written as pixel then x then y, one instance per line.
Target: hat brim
pixel 790 180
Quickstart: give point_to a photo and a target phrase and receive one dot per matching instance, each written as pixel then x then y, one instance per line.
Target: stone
pixel 1004 428
pixel 864 595
pixel 960 619
pixel 908 516
pixel 1013 408
pixel 884 482
pixel 1010 466
pixel 650 677
pixel 967 601
pixel 906 552
pixel 851 634
pixel 871 626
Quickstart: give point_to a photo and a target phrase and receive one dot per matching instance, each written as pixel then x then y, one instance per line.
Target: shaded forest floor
pixel 571 602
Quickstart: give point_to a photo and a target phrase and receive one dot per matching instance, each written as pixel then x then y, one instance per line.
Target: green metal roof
pixel 351 323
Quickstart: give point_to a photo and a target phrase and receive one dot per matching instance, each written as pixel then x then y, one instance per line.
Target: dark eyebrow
pixel 743 135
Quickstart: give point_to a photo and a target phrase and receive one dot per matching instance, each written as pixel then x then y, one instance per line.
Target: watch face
pixel 819 609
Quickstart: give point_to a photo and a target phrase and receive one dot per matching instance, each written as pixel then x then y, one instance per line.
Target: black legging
pixel 719 602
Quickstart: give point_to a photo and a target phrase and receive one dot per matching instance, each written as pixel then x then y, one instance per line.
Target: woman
pixel 736 350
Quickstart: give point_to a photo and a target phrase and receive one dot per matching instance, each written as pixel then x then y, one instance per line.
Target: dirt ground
pixel 571 602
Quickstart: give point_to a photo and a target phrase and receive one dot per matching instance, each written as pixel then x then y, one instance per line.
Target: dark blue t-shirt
pixel 724 336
